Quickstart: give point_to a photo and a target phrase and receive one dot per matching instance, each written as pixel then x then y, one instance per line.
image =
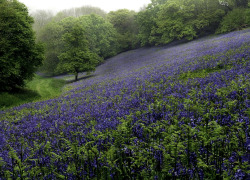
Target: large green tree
pixel 51 36
pixel 76 56
pixel 124 21
pixel 146 21
pixel 174 22
pixel 101 35
pixel 236 19
pixel 164 21
pixel 20 56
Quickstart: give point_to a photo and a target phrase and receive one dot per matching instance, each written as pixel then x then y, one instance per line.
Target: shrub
pixel 235 20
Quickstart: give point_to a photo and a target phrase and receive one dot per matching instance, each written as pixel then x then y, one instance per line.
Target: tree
pixel 236 19
pixel 41 18
pixel 78 12
pixel 209 16
pixel 164 21
pixel 146 21
pixel 101 39
pixel 84 10
pixel 241 3
pixel 124 21
pixel 76 56
pixel 174 22
pixel 101 35
pixel 51 35
pixel 20 56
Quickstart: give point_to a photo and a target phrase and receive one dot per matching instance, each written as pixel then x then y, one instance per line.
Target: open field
pixel 178 112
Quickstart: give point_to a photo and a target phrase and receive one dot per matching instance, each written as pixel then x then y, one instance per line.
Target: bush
pixel 236 19
pixel 247 16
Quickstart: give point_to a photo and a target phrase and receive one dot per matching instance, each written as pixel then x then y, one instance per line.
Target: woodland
pixel 163 93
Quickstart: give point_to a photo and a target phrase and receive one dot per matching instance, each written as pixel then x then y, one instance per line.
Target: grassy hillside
pixel 178 112
pixel 36 90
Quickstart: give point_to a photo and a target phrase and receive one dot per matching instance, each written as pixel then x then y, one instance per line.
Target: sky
pixel 106 5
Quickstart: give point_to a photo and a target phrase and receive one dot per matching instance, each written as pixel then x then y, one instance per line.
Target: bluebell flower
pixel 239 174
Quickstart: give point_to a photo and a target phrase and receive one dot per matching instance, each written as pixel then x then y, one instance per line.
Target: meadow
pixel 178 112
pixel 37 89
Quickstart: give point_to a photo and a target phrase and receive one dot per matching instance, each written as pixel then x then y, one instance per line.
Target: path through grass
pixel 36 90
pixel 46 87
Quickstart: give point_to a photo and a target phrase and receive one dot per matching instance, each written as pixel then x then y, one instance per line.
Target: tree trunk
pixel 76 76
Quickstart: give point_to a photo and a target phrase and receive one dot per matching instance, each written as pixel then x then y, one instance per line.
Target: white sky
pixel 106 5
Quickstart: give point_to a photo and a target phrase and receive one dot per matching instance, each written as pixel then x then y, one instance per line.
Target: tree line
pixel 159 23
pixel 104 35
pixel 164 21
pixel 79 39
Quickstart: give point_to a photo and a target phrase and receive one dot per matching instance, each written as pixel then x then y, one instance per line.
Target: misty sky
pixel 106 5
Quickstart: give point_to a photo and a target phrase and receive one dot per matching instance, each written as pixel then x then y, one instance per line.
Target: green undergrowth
pixel 36 90
pixel 202 73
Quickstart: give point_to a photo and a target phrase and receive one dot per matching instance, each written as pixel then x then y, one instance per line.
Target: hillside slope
pixel 178 112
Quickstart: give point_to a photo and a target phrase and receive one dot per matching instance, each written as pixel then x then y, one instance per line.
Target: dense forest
pixel 159 23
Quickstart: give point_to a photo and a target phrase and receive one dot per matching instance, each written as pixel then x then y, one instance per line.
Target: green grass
pixel 46 87
pixel 36 90
pixel 202 73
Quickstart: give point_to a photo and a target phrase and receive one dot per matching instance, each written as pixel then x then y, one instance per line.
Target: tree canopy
pixel 101 35
pixel 20 55
pixel 124 21
pixel 76 56
pixel 160 23
pixel 41 18
pixel 163 21
pixel 100 38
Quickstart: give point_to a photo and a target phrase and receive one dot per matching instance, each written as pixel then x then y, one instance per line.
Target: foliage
pixel 51 35
pixel 101 35
pixel 174 23
pixel 20 56
pixel 177 112
pixel 125 23
pixel 247 16
pixel 78 12
pixel 241 3
pixel 236 19
pixel 165 21
pixel 76 56
pixel 41 18
pixel 146 21
pixel 161 22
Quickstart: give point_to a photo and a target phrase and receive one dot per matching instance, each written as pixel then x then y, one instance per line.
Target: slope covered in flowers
pixel 178 112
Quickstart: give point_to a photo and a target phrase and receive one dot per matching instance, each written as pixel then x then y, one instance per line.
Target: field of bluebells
pixel 178 112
